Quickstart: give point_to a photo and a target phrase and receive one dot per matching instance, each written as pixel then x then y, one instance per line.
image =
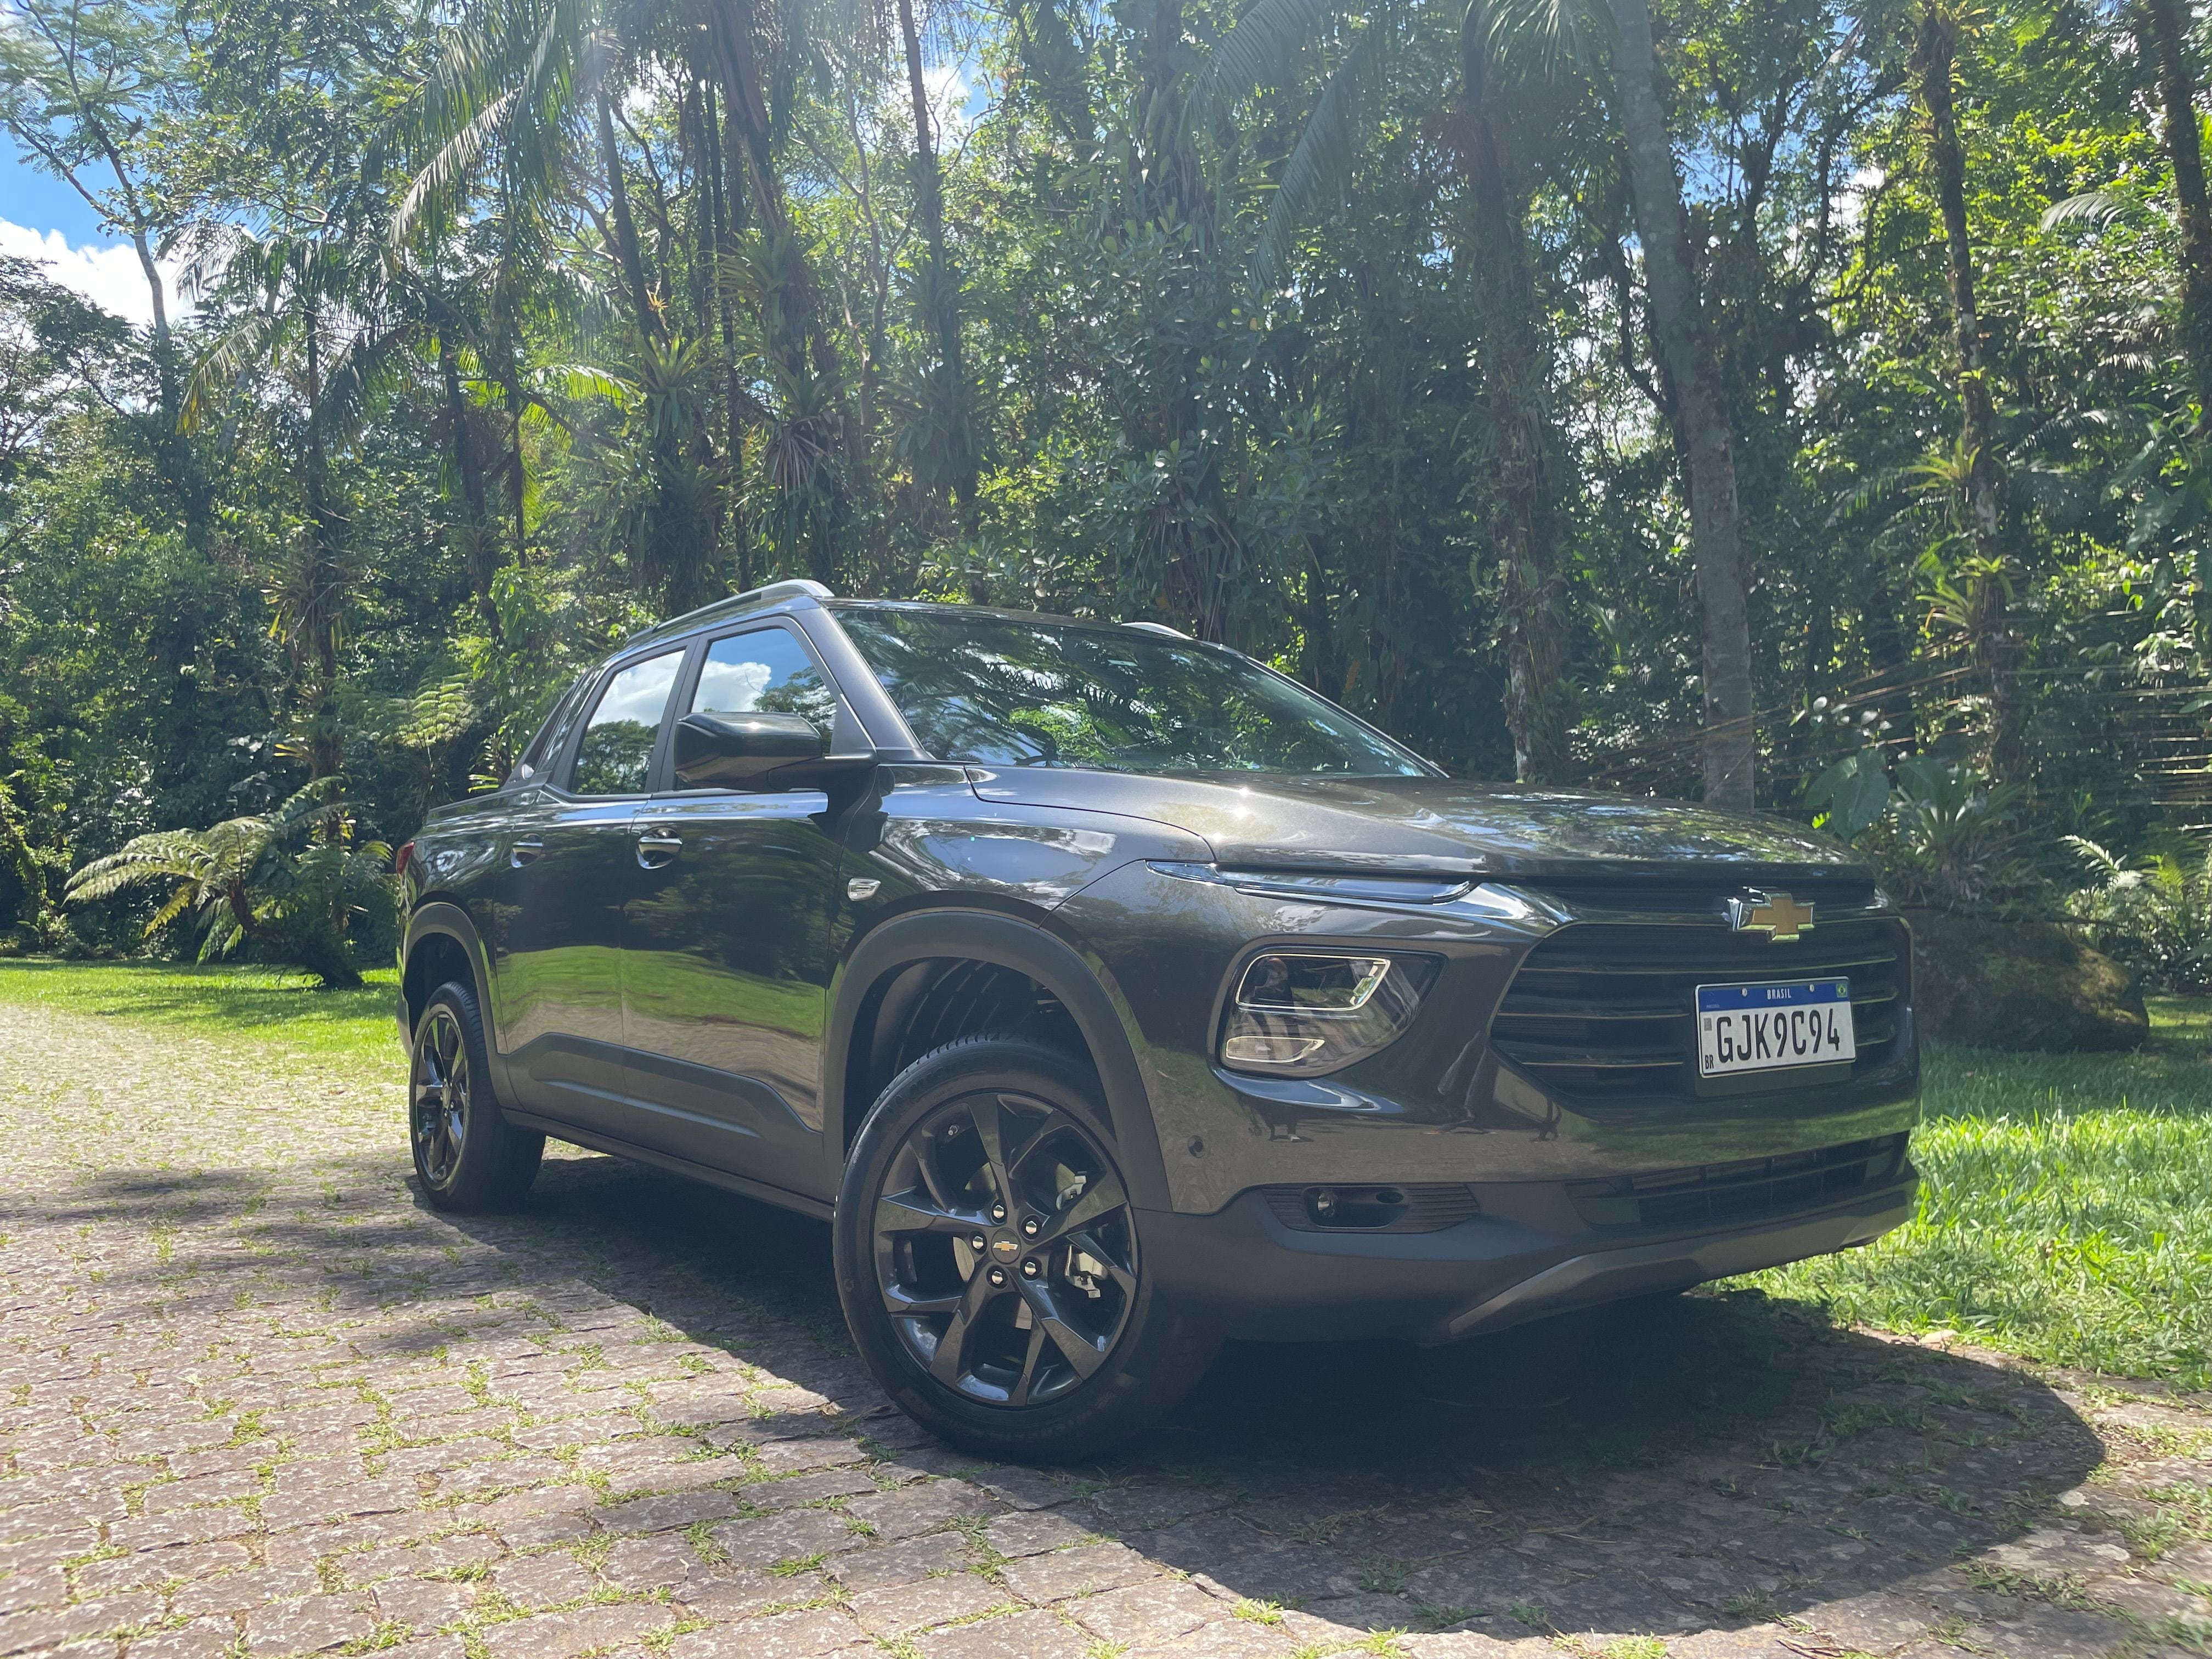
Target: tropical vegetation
pixel 1778 402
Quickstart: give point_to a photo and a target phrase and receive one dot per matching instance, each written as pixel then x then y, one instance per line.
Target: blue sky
pixel 43 218
pixel 33 197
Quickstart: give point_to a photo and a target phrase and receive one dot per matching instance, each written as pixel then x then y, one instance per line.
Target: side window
pixel 767 671
pixel 615 755
pixel 546 747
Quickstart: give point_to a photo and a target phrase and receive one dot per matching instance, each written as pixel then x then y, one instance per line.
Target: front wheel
pixel 467 1156
pixel 989 1262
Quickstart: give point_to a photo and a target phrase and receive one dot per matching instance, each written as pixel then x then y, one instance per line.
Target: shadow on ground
pixel 1697 1467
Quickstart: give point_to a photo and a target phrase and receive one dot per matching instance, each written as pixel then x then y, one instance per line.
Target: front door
pixel 562 990
pixel 726 959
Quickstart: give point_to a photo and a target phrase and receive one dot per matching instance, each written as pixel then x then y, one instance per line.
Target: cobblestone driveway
pixel 254 1399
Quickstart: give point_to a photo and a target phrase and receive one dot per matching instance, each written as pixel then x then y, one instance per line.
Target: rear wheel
pixel 989 1261
pixel 467 1156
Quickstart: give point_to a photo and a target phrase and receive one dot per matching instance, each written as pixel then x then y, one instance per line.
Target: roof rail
pixel 1158 627
pixel 737 604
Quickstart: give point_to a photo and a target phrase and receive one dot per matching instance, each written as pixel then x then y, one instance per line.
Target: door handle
pixel 523 852
pixel 666 846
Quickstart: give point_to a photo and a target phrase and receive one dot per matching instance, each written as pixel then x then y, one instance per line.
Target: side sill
pixel 741 1185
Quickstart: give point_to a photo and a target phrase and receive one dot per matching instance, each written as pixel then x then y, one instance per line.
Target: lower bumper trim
pixel 1677 1264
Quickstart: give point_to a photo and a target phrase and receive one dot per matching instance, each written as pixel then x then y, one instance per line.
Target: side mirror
pixel 729 751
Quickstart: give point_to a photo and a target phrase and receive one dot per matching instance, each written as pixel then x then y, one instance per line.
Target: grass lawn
pixel 2067 1213
pixel 285 1010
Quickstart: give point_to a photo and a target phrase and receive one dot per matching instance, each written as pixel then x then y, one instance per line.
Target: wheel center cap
pixel 1004 1246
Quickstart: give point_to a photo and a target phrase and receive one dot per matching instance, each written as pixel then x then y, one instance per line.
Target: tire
pixel 1083 1354
pixel 468 1157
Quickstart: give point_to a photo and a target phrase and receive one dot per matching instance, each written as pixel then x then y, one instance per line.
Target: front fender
pixel 1028 947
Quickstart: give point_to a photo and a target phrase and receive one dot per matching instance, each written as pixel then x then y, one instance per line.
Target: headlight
pixel 1300 1013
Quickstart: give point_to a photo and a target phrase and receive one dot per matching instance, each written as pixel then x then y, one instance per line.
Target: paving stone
pixel 922 1508
pixel 243 1590
pixel 1031 1531
pixel 792 1537
pixel 1228 1638
pixel 721 1595
pixel 1032 1635
pixel 882 1565
pixel 1872 1621
pixel 672 1511
pixel 543 1581
pixel 202 1638
pixel 422 1603
pixel 50 1627
pixel 901 1609
pixel 313 1624
pixel 1144 1614
pixel 659 1562
pixel 1081 1571
pixel 798 1489
pixel 48 1587
pixel 804 1635
pixel 181 1562
pixel 1470 1644
pixel 563 1634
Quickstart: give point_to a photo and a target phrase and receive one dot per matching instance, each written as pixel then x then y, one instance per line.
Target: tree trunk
pixel 1984 484
pixel 652 324
pixel 2167 37
pixel 320 611
pixel 478 538
pixel 1523 524
pixel 940 285
pixel 1701 429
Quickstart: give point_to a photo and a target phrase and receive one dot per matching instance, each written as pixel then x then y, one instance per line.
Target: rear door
pixel 726 959
pixel 562 990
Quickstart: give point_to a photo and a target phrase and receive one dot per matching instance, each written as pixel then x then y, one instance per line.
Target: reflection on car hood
pixel 1254 821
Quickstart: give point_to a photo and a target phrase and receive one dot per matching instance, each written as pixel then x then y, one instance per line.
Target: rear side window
pixel 545 748
pixel 615 755
pixel 766 671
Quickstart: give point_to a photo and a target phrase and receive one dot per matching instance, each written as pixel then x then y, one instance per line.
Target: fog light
pixel 1302 1013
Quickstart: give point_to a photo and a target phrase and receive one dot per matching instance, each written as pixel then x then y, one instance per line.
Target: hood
pixel 1261 822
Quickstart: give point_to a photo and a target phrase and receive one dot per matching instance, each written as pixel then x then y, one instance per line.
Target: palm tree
pixel 287 882
pixel 319 312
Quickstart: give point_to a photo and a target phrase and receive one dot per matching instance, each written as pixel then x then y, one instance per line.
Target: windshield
pixel 998 691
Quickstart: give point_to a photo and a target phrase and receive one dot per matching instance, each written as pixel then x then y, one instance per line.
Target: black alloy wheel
pixel 989 1258
pixel 467 1154
pixel 1005 1249
pixel 438 1096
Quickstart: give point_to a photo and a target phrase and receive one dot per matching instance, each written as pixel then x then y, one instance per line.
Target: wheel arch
pixel 880 958
pixel 442 942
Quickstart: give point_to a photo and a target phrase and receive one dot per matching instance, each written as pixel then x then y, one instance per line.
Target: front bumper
pixel 1261 1281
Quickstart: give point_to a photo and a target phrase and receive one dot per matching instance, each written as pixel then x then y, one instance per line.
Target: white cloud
pixel 949 96
pixel 105 273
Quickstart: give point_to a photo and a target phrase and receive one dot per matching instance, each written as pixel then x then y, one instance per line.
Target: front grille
pixel 1606 1013
pixel 1720 1194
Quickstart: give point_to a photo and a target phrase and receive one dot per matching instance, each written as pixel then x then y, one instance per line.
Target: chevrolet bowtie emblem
pixel 1777 915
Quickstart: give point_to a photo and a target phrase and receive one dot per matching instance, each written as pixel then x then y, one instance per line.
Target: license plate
pixel 1774 1027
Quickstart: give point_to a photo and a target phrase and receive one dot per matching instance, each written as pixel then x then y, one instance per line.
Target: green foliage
pixel 2152 912
pixel 1952 840
pixel 1317 330
pixel 288 884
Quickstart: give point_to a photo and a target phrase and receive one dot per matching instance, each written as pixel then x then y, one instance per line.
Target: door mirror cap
pixel 733 751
